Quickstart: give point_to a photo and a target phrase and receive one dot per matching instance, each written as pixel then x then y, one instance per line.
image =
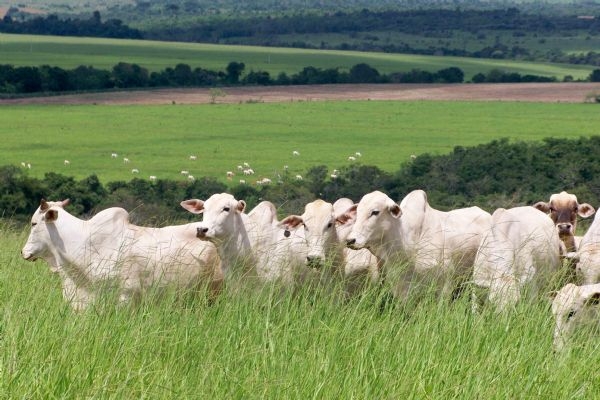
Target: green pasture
pixel 158 140
pixel 70 52
pixel 268 344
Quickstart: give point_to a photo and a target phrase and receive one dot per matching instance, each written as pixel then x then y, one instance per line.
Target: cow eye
pixel 374 212
pixel 226 209
pixel 329 225
pixel 33 224
pixel 571 314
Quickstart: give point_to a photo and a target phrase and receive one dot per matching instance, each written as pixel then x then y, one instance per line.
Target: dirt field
pixel 534 92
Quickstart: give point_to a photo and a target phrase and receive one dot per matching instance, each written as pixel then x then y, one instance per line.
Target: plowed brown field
pixel 533 92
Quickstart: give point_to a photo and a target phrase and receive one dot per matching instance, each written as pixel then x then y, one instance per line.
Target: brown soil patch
pixel 530 92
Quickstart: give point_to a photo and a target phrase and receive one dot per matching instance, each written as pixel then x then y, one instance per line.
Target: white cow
pixel 574 305
pixel 437 247
pixel 325 239
pixel 521 249
pixel 563 208
pixel 108 249
pixel 251 242
pixel 588 266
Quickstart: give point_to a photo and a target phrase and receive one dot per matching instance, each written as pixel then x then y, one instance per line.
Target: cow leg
pixel 78 298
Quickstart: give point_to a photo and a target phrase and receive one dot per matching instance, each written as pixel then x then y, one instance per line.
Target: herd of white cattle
pixel 502 255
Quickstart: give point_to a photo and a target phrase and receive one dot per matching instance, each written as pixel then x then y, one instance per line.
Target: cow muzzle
pixel 564 228
pixel 28 256
pixel 201 233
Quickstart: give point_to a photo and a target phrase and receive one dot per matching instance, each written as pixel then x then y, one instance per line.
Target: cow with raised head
pixel 325 235
pixel 563 208
pixel 424 243
pixel 108 250
pixel 253 241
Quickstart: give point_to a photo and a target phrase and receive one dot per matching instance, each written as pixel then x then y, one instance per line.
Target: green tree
pixel 234 71
pixel 363 73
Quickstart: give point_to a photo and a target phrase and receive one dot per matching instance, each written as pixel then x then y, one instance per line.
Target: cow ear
pixel 65 202
pixel 348 215
pixel 291 221
pixel 585 210
pixel 593 300
pixel 241 205
pixel 51 215
pixel 395 211
pixel 194 206
pixel 542 206
pixel 44 205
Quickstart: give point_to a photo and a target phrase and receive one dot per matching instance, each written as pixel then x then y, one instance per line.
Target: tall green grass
pixel 159 139
pixel 264 344
pixel 70 52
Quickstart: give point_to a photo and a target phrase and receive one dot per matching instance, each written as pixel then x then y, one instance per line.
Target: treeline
pixel 417 22
pixel 15 80
pixel 492 175
pixel 53 25
pixel 47 79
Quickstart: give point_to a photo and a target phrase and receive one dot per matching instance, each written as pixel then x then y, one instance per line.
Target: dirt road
pixel 532 92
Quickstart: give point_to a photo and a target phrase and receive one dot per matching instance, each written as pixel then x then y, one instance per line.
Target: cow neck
pixel 335 249
pixel 402 241
pixel 70 237
pixel 236 247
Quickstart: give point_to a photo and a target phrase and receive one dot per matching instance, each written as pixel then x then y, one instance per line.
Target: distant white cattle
pixel 67 162
pixel 572 306
pixel 252 241
pixel 126 160
pixel 135 171
pixel 184 172
pixel 437 247
pixel 522 249
pixel 295 153
pixel 114 155
pixel 193 158
pixel 298 177
pixel 152 178
pixel 107 249
pixel 564 208
pixel 351 158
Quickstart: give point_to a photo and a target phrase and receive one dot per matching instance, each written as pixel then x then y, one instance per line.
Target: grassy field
pixel 70 52
pixel 158 140
pixel 260 345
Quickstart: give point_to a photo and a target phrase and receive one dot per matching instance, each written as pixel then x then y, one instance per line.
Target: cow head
pixel 221 215
pixel 374 216
pixel 563 208
pixel 572 305
pixel 320 233
pixel 39 240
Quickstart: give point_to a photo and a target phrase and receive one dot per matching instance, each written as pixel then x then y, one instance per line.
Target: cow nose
pixel 564 227
pixel 350 242
pixel 201 232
